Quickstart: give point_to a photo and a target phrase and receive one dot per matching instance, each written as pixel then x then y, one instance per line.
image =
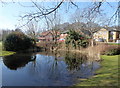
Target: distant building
pixel 49 36
pixel 107 35
pixel 63 36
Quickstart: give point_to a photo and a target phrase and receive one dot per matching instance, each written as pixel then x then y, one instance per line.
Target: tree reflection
pixel 18 60
pixel 74 60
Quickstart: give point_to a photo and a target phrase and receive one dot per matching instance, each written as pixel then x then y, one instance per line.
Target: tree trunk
pixel 92 42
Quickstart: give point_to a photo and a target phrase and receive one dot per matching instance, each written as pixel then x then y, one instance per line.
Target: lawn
pixel 4 53
pixel 114 43
pixel 107 75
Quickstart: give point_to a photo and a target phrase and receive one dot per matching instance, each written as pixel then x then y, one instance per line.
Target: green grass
pixel 114 43
pixel 107 75
pixel 4 53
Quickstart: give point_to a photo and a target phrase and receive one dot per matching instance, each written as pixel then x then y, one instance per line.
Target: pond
pixel 46 69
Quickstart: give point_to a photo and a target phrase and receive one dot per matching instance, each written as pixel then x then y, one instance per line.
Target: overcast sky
pixel 10 12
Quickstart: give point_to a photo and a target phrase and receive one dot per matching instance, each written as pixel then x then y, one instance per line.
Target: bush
pixel 17 41
pixel 76 39
pixel 113 52
pixel 83 43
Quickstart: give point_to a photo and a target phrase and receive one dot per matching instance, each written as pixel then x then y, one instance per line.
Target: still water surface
pixel 46 69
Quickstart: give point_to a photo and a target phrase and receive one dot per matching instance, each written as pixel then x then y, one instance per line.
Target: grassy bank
pixel 107 75
pixel 4 53
pixel 113 43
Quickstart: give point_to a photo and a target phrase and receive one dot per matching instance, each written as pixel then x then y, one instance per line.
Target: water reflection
pixel 46 69
pixel 16 61
pixel 74 60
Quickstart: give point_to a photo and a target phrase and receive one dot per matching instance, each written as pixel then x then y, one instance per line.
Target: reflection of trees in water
pixel 80 63
pixel 16 61
pixel 44 67
pixel 74 60
pixel 47 67
pixel 55 68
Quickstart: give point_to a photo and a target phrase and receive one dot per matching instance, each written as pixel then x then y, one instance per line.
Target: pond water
pixel 46 69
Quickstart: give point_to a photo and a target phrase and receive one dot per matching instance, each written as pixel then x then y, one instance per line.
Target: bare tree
pixel 92 21
pixel 32 29
pixel 54 28
pixel 43 11
pixel 77 16
pixel 5 33
pixel 78 20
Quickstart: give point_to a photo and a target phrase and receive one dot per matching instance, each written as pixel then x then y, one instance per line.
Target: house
pixel 63 35
pixel 107 35
pixel 49 36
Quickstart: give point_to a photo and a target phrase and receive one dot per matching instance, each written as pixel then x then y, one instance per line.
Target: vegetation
pixel 76 39
pixel 4 53
pixel 32 30
pixel 5 33
pixel 74 60
pixel 114 43
pixel 17 60
pixel 107 75
pixel 0 46
pixel 17 41
pixel 113 52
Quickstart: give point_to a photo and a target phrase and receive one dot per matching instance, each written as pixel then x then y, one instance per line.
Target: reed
pixel 100 49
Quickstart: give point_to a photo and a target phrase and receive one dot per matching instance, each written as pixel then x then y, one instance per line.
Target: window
pixel 110 35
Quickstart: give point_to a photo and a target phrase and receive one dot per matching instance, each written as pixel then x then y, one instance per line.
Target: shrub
pixel 113 52
pixel 17 41
pixel 84 43
pixel 76 39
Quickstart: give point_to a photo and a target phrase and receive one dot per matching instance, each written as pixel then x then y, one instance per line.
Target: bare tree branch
pixel 73 3
pixel 115 16
pixel 42 13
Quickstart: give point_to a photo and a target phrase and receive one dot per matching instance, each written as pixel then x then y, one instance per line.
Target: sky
pixel 10 12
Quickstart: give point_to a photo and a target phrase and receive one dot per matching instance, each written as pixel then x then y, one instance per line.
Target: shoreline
pixel 105 76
